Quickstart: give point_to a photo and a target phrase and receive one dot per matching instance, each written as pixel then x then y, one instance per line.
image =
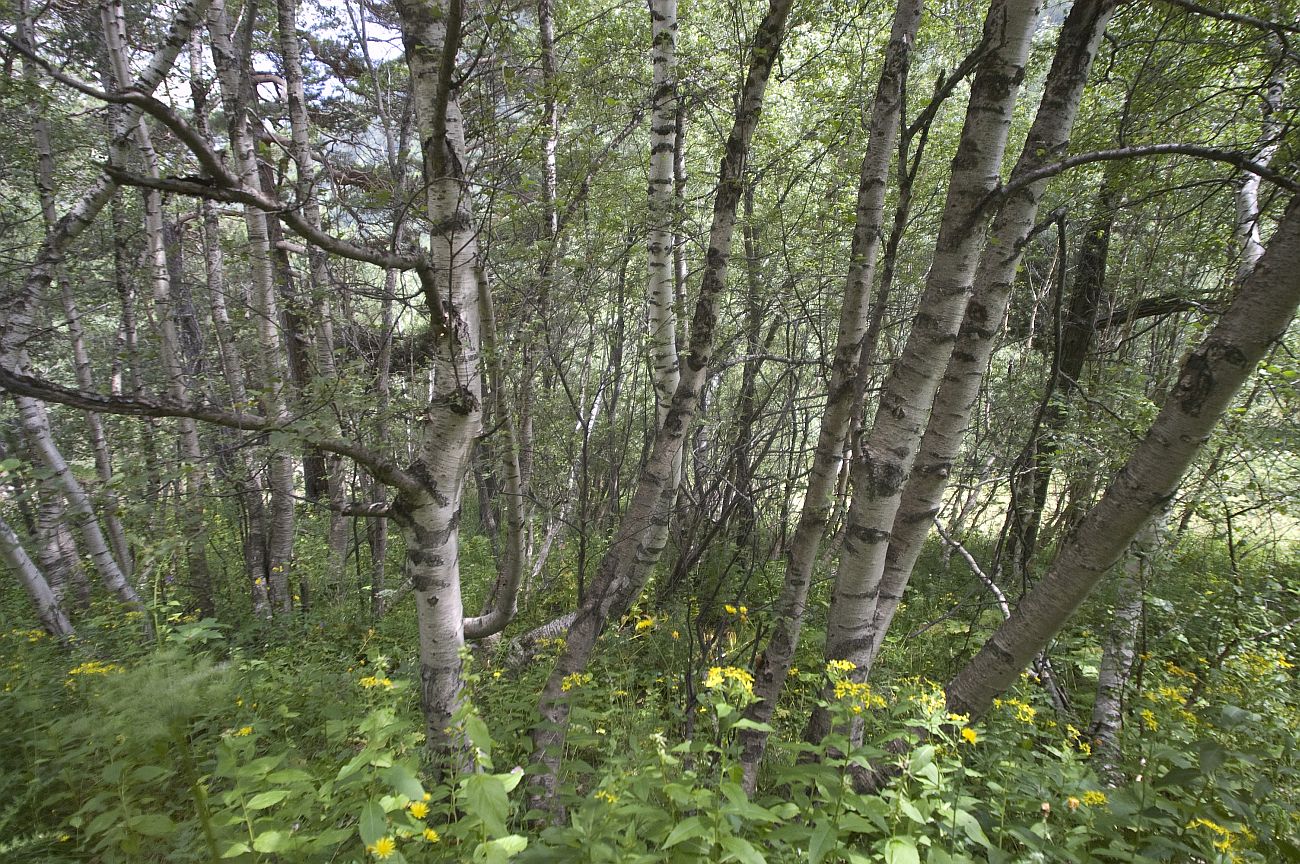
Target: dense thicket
pixel 779 430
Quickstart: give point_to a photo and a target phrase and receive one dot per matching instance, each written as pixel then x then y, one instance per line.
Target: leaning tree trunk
pixel 639 541
pixel 19 311
pixel 959 392
pixel 1206 385
pixel 772 668
pixel 80 356
pixel 48 608
pixel 890 448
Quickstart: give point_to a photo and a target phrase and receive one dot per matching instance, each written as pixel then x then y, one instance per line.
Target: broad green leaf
pixel 373 823
pixel 152 824
pixel 824 839
pixel 485 795
pixel 262 800
pixel 687 829
pixel 741 850
pixel 235 849
pixel 273 841
pixel 901 850
pixel 404 782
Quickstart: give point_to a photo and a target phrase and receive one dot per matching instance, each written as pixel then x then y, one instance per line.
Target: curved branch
pixel 1231 157
pixel 384 470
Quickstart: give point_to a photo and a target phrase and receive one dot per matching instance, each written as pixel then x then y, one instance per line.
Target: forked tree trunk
pixel 639 541
pixel 774 665
pixel 959 392
pixel 891 445
pixel 1206 385
pixel 429 519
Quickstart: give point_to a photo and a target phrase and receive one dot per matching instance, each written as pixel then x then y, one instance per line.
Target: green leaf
pixel 373 824
pixel 741 850
pixel 404 782
pixel 272 841
pixel 971 826
pixel 152 824
pixel 262 800
pixel 901 850
pixel 501 849
pixel 687 829
pixel 824 839
pixel 486 796
pixel 235 849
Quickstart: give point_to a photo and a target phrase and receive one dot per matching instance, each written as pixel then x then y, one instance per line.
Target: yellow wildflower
pixel 431 835
pixel 370 681
pixel 969 736
pixel 577 679
pixel 729 609
pixel 1094 798
pixel 606 796
pixel 676 635
pixel 383 847
pixel 244 732
pixel 841 666
pixel 1072 803
pixel 1149 719
pixel 419 809
pixel 645 623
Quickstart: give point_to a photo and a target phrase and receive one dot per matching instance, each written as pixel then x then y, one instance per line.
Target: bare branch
pixel 380 467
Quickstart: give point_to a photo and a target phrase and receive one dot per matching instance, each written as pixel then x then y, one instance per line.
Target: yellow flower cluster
pixel 718 674
pixel 370 682
pixel 644 623
pixel 1226 837
pixel 969 735
pixel 841 666
pixel 859 696
pixel 243 732
pixel 741 611
pixel 606 796
pixel 1025 713
pixel 1149 720
pixel 94 667
pixel 1094 798
pixel 577 679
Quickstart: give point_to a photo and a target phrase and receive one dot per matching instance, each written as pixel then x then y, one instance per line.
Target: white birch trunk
pixel 48 608
pixel 891 445
pixel 1207 383
pixel 639 541
pixel 959 392
pixel 429 520
pixel 236 95
pixel 770 674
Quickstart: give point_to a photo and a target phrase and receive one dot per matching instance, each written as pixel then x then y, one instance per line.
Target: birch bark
pixel 639 541
pixel 228 52
pixel 429 518
pixel 48 608
pixel 771 671
pixel 891 445
pixel 1207 382
pixel 958 393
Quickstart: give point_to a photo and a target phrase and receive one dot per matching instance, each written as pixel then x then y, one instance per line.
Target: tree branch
pixel 380 467
pixel 1238 160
